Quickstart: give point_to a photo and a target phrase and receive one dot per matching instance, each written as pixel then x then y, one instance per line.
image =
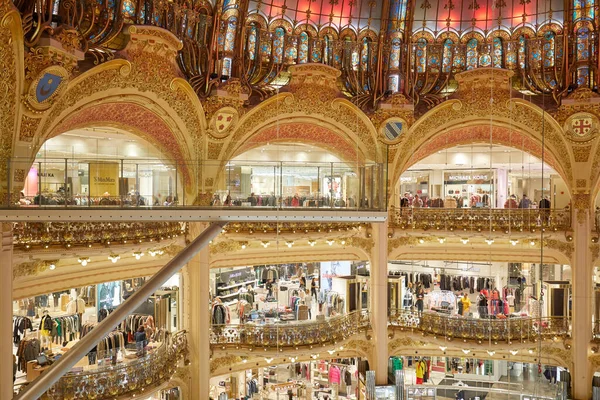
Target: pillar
pixel 6 349
pixel 378 294
pixel 581 375
pixel 197 317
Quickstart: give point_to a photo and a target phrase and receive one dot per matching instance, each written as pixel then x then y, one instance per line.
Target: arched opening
pixel 482 176
pixel 102 166
pixel 283 172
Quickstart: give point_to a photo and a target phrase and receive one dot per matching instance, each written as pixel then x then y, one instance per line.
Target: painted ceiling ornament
pixel 47 87
pixel 581 127
pixel 223 121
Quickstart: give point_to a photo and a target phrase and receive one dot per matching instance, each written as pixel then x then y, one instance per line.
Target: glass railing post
pixel 66 174
pixel 40 177
pixel 318 197
pixel 280 185
pixel 120 187
pixel 8 186
pixel 331 200
pixel 175 198
pixel 137 185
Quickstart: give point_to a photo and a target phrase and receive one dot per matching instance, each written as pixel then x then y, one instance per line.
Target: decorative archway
pixel 484 111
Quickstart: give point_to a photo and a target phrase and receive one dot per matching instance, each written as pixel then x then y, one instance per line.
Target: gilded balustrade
pixel 290 335
pixel 478 219
pixel 28 235
pixel 475 329
pixel 129 379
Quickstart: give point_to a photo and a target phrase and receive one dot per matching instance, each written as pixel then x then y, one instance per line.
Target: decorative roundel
pixel 47 87
pixel 223 121
pixel 393 129
pixel 581 127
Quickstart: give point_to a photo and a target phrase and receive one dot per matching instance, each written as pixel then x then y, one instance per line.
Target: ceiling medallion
pixel 581 127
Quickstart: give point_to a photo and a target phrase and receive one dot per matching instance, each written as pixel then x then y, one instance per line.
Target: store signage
pixel 466 178
pixel 46 174
pixel 103 179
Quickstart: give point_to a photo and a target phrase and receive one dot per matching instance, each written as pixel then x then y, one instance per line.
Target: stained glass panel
pixel 421 55
pixel 303 48
pixel 497 49
pixel 230 34
pixel 472 54
pixel 364 55
pixel 394 83
pixel 395 54
pixel 447 56
pixel 522 52
pixel 252 42
pixel 549 49
pixel 279 37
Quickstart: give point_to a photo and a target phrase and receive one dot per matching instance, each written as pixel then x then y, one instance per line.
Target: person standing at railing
pixel 466 305
pixel 417 202
pixel 525 202
pixel 511 202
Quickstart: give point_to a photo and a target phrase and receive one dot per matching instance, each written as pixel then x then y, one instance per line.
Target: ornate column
pixel 581 375
pixel 197 318
pixel 378 294
pixel 6 350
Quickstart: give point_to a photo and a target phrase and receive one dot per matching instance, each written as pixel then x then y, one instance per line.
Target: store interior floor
pixel 529 382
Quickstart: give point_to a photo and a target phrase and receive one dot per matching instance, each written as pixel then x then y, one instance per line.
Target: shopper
pixel 466 304
pixel 140 340
pixel 482 304
pixel 269 286
pixel 525 202
pixel 511 202
pixel 308 303
pixel 216 200
pixel 544 203
pixel 227 201
pixel 417 202
pixel 420 298
pixel 420 371
pixel 313 288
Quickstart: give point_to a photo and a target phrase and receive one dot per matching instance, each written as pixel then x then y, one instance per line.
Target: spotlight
pixel 442 240
pixel 244 245
pixel 514 242
pixel 532 242
pixel 52 266
pixel 83 261
pixel 421 240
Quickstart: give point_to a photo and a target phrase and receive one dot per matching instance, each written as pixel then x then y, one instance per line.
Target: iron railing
pixel 127 379
pixel 481 220
pixel 289 335
pixel 480 329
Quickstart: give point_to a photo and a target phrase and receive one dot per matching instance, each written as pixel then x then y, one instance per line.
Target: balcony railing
pixel 496 330
pixel 289 335
pixel 481 220
pixel 121 183
pixel 30 235
pixel 128 379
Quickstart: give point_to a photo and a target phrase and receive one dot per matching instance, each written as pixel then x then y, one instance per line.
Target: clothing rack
pixel 20 326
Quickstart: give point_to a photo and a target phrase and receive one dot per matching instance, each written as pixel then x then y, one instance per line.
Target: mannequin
pixel 76 306
pixel 46 325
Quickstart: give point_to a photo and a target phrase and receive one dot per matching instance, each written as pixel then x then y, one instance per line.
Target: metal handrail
pixel 478 219
pixel 479 329
pixel 289 334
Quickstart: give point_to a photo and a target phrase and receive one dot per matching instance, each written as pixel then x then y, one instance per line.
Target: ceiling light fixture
pixel 464 240
pixel 491 353
pixel 265 243
pixel 421 240
pixel 514 242
pixel 289 244
pixel 114 258
pixel 244 245
pixel 83 261
pixel 330 242
pixel 443 348
pixel 514 352
pixel 138 254
pixel 52 266
pixel 465 351
pixel 268 360
pixel 489 241
pixel 442 240
pixel 312 243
